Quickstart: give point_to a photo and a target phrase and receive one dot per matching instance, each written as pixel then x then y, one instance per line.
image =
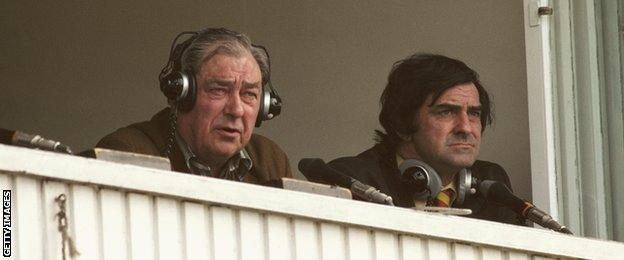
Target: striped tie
pixel 444 198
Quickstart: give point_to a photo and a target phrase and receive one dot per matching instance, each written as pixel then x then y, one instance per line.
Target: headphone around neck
pixel 180 87
pixel 425 183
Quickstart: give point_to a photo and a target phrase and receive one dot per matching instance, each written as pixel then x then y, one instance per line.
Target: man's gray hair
pixel 212 41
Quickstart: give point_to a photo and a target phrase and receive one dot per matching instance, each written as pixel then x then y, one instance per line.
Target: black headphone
pixel 425 183
pixel 180 87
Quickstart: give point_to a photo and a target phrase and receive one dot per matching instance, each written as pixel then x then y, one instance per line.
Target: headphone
pixel 180 86
pixel 425 183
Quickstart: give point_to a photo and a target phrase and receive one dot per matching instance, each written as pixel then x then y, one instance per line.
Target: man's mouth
pixel 230 130
pixel 462 145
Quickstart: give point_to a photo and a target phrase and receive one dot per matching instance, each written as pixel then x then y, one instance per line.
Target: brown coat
pixel 150 137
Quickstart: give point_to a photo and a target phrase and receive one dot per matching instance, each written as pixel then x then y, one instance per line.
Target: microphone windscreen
pixel 6 136
pixel 306 163
pixel 498 192
pixel 315 169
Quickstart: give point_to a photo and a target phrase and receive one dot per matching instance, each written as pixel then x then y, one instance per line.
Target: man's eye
pixel 475 113
pixel 217 91
pixel 249 96
pixel 445 112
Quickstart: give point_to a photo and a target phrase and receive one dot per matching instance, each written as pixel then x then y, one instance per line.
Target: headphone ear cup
pixel 180 89
pixel 265 105
pixel 187 101
pixel 427 184
pixel 464 186
pixel 171 85
pixel 270 104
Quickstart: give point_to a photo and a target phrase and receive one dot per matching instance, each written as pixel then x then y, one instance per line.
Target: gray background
pixel 77 70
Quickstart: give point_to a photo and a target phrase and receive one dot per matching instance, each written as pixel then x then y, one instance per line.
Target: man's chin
pixel 226 153
pixel 224 150
pixel 462 162
pixel 465 164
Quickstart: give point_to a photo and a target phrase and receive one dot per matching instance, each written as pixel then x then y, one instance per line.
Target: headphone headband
pixel 180 88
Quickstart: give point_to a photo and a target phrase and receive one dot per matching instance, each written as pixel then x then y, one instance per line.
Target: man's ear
pixel 406 132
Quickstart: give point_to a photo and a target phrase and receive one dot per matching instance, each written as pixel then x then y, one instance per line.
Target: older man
pixel 218 86
pixel 434 110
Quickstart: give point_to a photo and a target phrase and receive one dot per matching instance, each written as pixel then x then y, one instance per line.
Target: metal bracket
pixel 536 12
pixel 545 10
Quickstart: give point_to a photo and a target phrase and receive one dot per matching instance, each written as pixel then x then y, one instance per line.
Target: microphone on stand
pixel 315 168
pixel 498 192
pixel 31 141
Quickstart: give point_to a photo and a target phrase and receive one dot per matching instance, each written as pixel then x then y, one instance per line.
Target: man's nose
pixel 234 105
pixel 463 124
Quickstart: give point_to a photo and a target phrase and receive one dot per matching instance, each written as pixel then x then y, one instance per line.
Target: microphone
pixel 315 168
pixel 31 141
pixel 498 192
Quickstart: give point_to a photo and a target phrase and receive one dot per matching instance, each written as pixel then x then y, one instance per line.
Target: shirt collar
pixel 232 170
pixel 451 186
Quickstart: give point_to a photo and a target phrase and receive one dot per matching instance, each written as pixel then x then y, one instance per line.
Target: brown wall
pixel 76 71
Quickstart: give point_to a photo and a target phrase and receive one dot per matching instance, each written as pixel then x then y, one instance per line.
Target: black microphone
pixel 31 141
pixel 498 192
pixel 315 169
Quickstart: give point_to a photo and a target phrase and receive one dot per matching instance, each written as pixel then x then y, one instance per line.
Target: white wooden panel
pixel 539 93
pixel 6 183
pixel 411 247
pixel 115 235
pixel 141 224
pixel 252 239
pixel 196 230
pixel 614 92
pixel 438 249
pixel 591 126
pixel 51 190
pixel 36 164
pixel 307 245
pixel 568 171
pixel 333 241
pixel 492 253
pixel 27 219
pixel 223 233
pixel 386 245
pixel 360 244
pixel 543 258
pixel 280 237
pixel 168 222
pixel 517 256
pixel 85 221
pixel 464 252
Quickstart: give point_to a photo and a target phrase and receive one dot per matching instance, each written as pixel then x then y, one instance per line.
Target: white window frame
pixel 574 78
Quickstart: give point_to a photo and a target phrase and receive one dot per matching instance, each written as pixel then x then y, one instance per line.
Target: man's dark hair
pixel 411 81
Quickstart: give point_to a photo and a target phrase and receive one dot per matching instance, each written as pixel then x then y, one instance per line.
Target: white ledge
pixel 21 161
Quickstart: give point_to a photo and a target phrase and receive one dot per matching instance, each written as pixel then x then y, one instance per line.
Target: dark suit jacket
pixel 378 167
pixel 150 137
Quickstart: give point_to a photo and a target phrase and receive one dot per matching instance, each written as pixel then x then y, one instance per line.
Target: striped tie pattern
pixel 444 198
